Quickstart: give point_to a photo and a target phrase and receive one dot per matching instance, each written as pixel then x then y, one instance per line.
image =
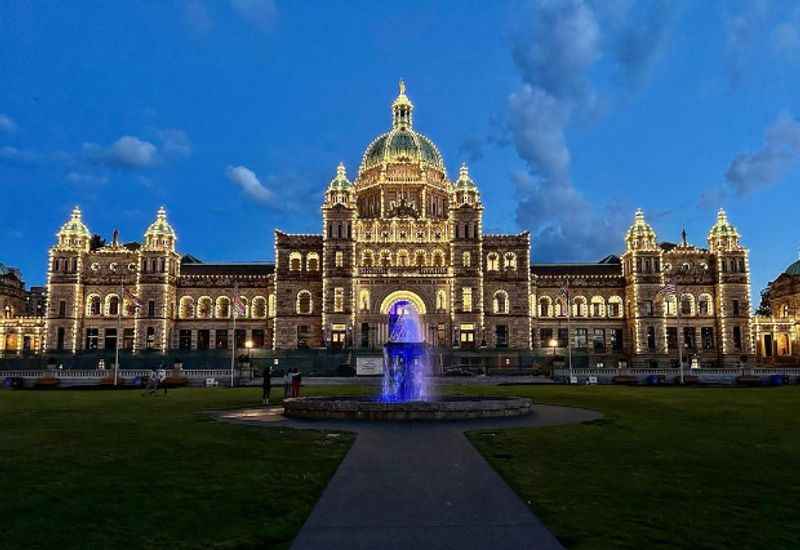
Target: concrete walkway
pixel 419 486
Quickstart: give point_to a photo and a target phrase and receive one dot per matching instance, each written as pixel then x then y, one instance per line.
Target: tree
pixel 96 242
pixel 765 308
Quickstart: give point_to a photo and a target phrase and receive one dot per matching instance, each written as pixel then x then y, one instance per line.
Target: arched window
pixel 112 305
pixel 598 308
pixel 223 310
pixel 705 305
pixel 93 306
pixel 615 307
pixel 545 307
pixel 363 300
pixel 186 307
pixel 259 307
pixel 510 261
pixel 492 261
pixel 438 258
pixel 500 302
pixel 271 305
pixel 579 307
pixel 687 305
pixel 402 258
pixel 785 311
pixel 420 258
pixel 312 261
pixel 441 300
pixel 560 307
pixel 367 259
pixel 295 261
pixel 204 307
pixel 304 304
pixel 386 258
pixel 670 305
pixel 466 259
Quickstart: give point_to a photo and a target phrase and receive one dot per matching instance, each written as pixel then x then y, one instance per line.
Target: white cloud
pixel 85 178
pixel 260 13
pixel 249 182
pixel 127 152
pixel 7 124
pixel 175 142
pixel 13 154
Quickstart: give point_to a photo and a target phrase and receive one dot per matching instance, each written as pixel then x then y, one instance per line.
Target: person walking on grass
pixel 266 385
pixel 162 379
pixel 152 383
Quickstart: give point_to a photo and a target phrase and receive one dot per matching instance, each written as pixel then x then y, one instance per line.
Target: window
pixel 492 262
pixel 150 340
pixel 651 338
pixel 203 339
pixel 110 340
pixel 647 308
pixel 338 299
pixel 259 307
pixel 563 337
pixel 466 259
pixel 62 309
pixel 204 307
pixel 185 339
pixel 223 310
pixel 615 307
pixel 312 260
pixel 271 305
pixel 258 338
pixel 689 338
pixel 704 304
pixel 186 307
pixel 545 335
pixel 339 258
pixel 598 308
pixel 735 304
pixel 500 302
pixel 741 265
pixel 616 339
pixel 364 335
pixel 438 258
pixel 707 336
pixel 579 308
pixel 385 258
pixel 686 304
pixel 419 258
pixel 402 258
pixel 240 337
pixel 295 261
pixel 60 339
pixel 221 339
pixel 544 307
pixel 127 339
pixel 441 300
pixel 599 340
pixel 91 338
pixel 672 338
pixel 581 337
pixel 737 338
pixel 304 305
pixel 501 336
pixel 94 306
pixel 510 261
pixel 363 300
pixel 151 308
pixel 113 306
pixel 467 334
pixel 367 258
pixel 302 336
pixel 466 299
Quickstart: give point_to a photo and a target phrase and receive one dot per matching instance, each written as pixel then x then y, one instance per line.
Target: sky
pixel 233 114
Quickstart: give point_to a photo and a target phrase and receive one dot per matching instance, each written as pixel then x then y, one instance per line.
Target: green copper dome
pixel 400 145
pixel 793 269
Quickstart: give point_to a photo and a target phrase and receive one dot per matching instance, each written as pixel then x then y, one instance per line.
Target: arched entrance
pixel 405 313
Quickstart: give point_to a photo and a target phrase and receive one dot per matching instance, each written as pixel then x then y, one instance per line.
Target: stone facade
pixel 402 230
pixel 778 329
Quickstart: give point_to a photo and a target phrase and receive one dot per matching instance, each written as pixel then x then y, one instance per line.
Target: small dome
pixel 464 180
pixel 402 145
pixel 723 227
pixel 793 269
pixel 160 227
pixel 640 236
pixel 340 181
pixel 75 226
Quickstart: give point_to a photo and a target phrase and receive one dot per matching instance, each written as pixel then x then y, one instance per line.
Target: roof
pixel 231 269
pixel 585 270
pixel 793 269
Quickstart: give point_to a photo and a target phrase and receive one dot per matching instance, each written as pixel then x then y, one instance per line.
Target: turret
pixel 465 191
pixel 74 235
pixel 402 109
pixel 723 237
pixel 160 236
pixel 640 235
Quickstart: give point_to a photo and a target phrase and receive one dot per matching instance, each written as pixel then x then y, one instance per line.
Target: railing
pixel 753 371
pixel 402 270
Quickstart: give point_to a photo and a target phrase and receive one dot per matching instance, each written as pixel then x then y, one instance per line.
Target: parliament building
pixel 402 229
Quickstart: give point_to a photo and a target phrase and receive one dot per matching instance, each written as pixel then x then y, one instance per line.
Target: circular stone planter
pixel 445 408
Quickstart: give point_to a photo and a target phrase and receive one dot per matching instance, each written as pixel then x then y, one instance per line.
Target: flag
pixel 137 302
pixel 238 306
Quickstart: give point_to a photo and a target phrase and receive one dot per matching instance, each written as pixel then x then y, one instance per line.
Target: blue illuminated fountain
pixel 405 357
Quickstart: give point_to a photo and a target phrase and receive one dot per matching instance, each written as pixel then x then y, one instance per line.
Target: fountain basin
pixel 445 408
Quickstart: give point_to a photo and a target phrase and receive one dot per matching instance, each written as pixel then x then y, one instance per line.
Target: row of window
pixel 597 307
pixel 702 306
pixel 206 308
pixel 602 340
pixel 403 258
pixel 205 339
pixel 690 338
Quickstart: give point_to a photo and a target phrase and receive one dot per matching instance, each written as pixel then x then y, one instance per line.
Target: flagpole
pixel 233 344
pixel 678 303
pixel 120 305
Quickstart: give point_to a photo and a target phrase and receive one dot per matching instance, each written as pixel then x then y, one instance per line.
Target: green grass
pixel 105 469
pixel 666 468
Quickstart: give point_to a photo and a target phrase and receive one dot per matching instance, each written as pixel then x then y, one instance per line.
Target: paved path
pixel 420 486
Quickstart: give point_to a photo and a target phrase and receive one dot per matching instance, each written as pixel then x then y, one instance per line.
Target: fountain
pixel 405 357
pixel 405 393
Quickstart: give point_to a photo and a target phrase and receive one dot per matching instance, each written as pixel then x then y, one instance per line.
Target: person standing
pixel 162 379
pixel 266 385
pixel 286 379
pixel 296 383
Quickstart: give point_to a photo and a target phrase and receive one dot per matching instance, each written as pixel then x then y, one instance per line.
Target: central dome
pixel 402 144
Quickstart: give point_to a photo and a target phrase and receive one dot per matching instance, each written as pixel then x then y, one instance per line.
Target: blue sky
pixel 233 114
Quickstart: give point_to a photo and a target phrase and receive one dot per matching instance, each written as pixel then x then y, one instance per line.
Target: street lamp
pixel 249 345
pixel 553 343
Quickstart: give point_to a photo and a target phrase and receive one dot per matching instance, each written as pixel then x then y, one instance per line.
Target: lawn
pixel 113 469
pixel 666 468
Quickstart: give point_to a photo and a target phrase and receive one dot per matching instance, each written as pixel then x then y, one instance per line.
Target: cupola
pixel 160 235
pixel 723 236
pixel 640 235
pixel 74 234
